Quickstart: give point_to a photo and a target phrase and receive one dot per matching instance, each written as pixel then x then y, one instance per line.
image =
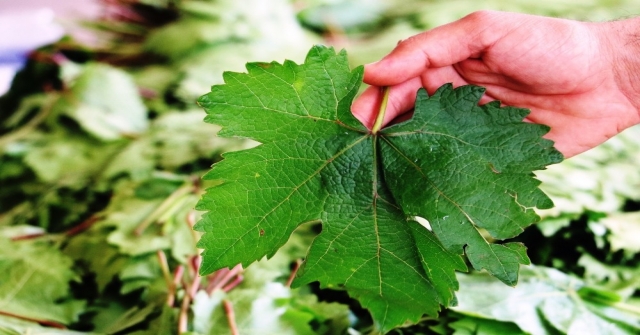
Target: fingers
pixel 432 79
pixel 478 72
pixel 401 99
pixel 466 38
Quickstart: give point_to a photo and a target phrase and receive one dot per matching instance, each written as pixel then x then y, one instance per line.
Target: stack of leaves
pixel 102 148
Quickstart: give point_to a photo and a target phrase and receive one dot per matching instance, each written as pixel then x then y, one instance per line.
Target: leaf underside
pixel 462 167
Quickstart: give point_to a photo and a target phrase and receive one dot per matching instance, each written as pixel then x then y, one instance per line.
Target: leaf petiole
pixel 381 111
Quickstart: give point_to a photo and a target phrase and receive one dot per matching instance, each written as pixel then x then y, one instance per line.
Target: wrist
pixel 621 40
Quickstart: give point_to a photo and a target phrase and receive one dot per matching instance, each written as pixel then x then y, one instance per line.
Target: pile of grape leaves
pixel 103 149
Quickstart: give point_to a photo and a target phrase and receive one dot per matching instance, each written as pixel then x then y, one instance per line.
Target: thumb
pixel 401 97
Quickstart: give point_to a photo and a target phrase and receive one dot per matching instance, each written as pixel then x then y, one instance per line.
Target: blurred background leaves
pixel 102 147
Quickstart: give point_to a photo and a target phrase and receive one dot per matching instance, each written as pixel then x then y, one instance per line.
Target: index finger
pixel 466 38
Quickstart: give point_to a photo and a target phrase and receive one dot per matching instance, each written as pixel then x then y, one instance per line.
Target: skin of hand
pixel 582 79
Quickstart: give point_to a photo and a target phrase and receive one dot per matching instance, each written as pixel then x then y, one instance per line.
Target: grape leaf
pixel 546 301
pixel 103 100
pixel 461 166
pixel 14 326
pixel 35 282
pixel 479 326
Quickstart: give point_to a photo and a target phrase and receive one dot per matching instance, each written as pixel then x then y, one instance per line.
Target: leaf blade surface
pixel 454 160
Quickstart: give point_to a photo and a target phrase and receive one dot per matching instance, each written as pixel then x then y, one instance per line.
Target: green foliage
pixel 480 326
pixel 35 282
pixel 461 166
pixel 13 326
pixel 270 310
pixel 96 188
pixel 106 114
pixel 546 301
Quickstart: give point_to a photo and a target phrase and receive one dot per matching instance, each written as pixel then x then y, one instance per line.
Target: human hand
pixel 579 78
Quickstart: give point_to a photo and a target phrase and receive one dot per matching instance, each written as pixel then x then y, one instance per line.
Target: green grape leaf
pixel 34 282
pixel 468 325
pixel 547 301
pixel 466 169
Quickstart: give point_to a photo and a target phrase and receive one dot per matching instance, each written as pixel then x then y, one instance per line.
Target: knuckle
pixel 481 17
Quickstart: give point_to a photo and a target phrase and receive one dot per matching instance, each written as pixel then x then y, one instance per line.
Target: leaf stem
pixel 237 281
pixel 214 279
pixel 176 279
pixel 231 316
pixel 164 266
pixel 382 110
pixel 183 314
pixel 623 306
pixel 627 307
pixel 223 278
pixel 177 196
pixel 84 225
pixel 189 296
pixel 45 323
pixel 17 134
pixel 294 271
pixel 190 220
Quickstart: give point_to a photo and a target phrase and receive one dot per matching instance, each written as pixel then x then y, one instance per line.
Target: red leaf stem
pixel 231 316
pixel 294 271
pixel 228 276
pixel 233 284
pixel 45 323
